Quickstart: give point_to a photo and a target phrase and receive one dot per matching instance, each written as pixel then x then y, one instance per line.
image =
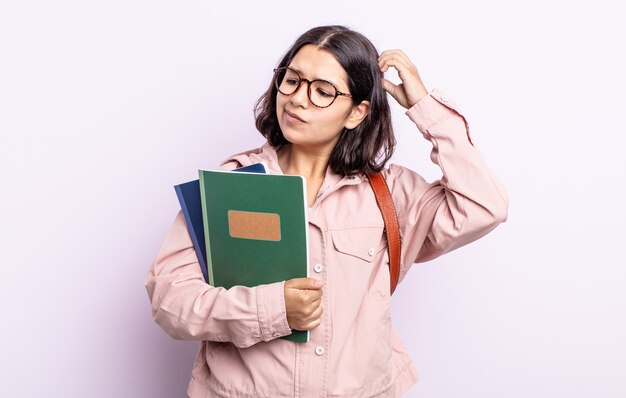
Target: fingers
pixel 308 297
pixel 412 89
pixel 395 58
pixel 396 91
pixel 303 313
pixel 398 63
pixel 314 295
pixel 314 319
pixel 303 303
pixel 313 313
pixel 304 283
pixel 389 87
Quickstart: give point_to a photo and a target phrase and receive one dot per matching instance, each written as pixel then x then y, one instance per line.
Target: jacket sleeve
pixel 463 205
pixel 188 308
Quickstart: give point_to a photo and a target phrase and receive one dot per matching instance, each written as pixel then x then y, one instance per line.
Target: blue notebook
pixel 190 203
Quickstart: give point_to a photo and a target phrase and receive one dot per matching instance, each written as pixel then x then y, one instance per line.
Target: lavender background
pixel 104 106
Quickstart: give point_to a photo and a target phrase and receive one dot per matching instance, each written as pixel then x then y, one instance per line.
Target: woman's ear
pixel 356 116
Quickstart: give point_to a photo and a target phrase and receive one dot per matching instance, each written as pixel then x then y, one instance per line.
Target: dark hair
pixel 370 145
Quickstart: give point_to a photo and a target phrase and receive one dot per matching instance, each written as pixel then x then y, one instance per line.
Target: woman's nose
pixel 300 96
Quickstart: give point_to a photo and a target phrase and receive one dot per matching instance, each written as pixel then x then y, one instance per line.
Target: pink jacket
pixel 354 352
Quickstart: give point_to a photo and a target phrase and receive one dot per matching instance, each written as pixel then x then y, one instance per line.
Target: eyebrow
pixel 328 80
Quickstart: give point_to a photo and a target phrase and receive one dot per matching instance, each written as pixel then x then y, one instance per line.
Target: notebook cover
pixel 256 229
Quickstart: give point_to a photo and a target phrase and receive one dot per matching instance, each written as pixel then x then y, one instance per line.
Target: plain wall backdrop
pixel 104 106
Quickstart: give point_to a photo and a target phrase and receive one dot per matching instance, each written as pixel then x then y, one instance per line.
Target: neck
pixel 296 160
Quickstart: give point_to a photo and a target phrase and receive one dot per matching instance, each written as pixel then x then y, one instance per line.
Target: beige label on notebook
pixel 253 225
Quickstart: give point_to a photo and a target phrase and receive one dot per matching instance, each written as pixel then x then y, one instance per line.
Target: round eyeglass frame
pixel 308 88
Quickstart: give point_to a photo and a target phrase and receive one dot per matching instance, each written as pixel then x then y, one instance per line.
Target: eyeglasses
pixel 321 92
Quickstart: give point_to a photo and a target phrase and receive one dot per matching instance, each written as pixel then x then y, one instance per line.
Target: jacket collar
pixel 266 153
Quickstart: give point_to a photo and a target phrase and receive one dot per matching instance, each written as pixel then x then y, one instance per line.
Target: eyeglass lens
pixel 321 93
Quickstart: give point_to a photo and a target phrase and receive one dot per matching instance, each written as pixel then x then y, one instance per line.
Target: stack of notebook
pixel 248 227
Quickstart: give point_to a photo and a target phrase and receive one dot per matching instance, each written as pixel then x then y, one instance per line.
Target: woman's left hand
pixel 412 88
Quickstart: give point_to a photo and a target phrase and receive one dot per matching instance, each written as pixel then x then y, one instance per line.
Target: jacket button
pixel 371 251
pixel 444 98
pixel 318 268
pixel 276 334
pixel 319 350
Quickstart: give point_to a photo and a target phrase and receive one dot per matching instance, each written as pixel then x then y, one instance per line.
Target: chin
pixel 295 138
pixel 292 135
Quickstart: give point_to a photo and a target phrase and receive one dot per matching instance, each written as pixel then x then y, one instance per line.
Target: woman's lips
pixel 293 118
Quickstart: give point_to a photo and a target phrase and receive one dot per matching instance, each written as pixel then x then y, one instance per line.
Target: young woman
pixel 326 117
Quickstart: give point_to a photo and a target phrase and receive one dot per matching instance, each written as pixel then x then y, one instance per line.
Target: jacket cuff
pixel 429 111
pixel 270 302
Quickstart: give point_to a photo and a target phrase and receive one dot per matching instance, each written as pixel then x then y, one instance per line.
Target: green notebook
pixel 256 229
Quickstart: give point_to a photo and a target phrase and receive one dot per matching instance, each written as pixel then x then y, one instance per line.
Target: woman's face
pixel 301 122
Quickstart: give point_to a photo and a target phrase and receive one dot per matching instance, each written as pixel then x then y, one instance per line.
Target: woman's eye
pixel 324 93
pixel 293 82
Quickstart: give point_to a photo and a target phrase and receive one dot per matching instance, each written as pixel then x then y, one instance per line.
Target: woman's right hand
pixel 303 302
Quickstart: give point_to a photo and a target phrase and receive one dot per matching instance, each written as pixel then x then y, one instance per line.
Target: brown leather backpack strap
pixel 392 229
